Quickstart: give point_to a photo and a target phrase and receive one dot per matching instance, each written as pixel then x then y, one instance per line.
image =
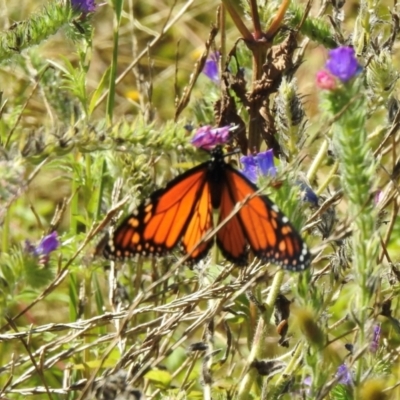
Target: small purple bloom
pixel 375 339
pixel 249 168
pixel 344 375
pixel 84 6
pixel 260 164
pixel 342 63
pixel 378 197
pixel 211 67
pixel 308 383
pixel 265 162
pixel 207 138
pixel 48 244
pixel 307 194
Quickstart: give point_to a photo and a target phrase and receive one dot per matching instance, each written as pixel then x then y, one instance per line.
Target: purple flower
pixel 48 244
pixel 207 138
pixel 265 162
pixel 84 6
pixel 260 164
pixel 375 339
pixel 344 375
pixel 249 168
pixel 342 63
pixel 378 197
pixel 306 193
pixel 211 67
pixel 307 382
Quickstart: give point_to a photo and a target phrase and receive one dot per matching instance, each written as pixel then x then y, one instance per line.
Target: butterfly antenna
pixel 233 152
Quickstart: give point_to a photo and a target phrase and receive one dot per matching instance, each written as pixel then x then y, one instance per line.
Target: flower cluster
pixel 342 64
pixel 344 375
pixel 262 164
pixel 207 137
pixel 259 164
pixel 48 244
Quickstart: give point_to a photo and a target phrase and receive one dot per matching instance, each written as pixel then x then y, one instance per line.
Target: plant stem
pixel 258 349
pixel 113 72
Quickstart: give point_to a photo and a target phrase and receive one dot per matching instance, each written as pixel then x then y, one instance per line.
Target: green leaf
pixel 100 88
pixel 195 394
pixel 95 364
pixel 73 295
pixel 159 378
pixel 236 319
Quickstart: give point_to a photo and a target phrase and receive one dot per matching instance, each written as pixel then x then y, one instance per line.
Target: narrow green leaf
pixel 99 90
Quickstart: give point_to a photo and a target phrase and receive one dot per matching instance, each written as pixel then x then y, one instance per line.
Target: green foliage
pixel 289 118
pixel 25 34
pixel 314 28
pixel 22 272
pixel 342 392
pixel 382 75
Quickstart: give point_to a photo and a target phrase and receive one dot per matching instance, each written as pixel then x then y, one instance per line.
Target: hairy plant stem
pixel 25 34
pixel 258 349
pixel 357 167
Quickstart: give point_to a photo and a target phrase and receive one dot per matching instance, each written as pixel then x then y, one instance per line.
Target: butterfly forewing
pixel 172 212
pixel 158 224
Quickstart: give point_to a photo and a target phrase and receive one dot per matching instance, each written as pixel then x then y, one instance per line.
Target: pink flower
pixel 378 197
pixel 325 80
pixel 207 137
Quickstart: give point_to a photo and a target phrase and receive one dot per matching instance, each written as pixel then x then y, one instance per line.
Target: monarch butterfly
pixel 183 212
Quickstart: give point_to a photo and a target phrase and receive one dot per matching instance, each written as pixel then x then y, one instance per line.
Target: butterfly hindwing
pixel 265 228
pixel 231 236
pixel 200 223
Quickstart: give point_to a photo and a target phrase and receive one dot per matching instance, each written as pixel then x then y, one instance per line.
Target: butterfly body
pixel 182 213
